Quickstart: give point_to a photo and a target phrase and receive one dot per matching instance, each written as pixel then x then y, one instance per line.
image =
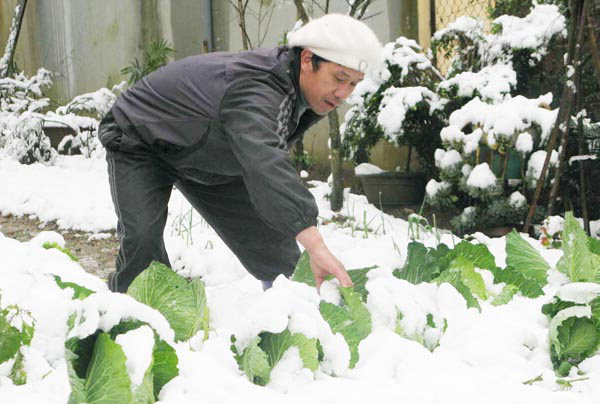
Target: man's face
pixel 328 86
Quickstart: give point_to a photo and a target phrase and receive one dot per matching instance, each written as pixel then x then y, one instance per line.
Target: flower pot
pixel 497 231
pixel 394 188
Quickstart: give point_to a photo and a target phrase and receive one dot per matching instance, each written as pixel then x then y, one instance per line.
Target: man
pixel 218 127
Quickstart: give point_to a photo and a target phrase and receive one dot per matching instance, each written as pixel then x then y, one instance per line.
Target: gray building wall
pixel 86 43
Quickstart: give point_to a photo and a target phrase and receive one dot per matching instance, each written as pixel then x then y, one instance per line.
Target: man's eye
pixel 339 80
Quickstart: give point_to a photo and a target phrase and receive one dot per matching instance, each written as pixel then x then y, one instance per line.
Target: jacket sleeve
pixel 253 115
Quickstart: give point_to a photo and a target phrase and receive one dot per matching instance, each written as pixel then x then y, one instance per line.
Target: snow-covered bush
pixel 24 114
pixel 492 130
pixel 83 114
pixel 27 143
pixel 21 93
pixel 21 130
pixel 397 104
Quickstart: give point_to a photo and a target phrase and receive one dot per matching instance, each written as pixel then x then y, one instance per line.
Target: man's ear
pixel 306 60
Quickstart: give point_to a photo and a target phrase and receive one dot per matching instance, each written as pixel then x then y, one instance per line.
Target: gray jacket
pixel 222 115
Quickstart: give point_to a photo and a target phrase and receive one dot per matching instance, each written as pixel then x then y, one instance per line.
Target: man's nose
pixel 343 91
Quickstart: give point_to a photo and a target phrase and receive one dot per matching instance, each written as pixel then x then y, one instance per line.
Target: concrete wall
pixel 86 43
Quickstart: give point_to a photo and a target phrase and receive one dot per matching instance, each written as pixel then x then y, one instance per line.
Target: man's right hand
pixel 322 261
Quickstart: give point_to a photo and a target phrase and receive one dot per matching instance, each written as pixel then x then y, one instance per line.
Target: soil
pixel 95 256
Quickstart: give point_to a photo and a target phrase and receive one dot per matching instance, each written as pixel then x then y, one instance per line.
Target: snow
pixel 482 356
pixel 10 43
pixel 366 169
pixel 397 102
pixel 553 224
pixel 405 53
pixel 481 177
pixel 516 114
pixel 582 158
pixel 447 159
pixel 433 187
pixel 536 163
pixel 471 27
pixel 137 346
pixel 492 83
pixel 533 31
pixel 579 292
pixel 524 144
pixel 517 200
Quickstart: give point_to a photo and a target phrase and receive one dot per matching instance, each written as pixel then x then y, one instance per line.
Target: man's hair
pixel 316 61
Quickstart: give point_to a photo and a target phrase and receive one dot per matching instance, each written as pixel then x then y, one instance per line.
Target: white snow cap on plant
pixel 447 159
pixel 452 134
pixel 433 187
pixel 468 213
pixel 405 53
pixel 396 102
pixel 517 200
pixel 524 143
pixel 534 31
pixel 553 224
pixel 481 177
pixel 471 27
pixel 536 163
pixel 493 83
pixel 466 170
pixel 341 39
pixel 503 120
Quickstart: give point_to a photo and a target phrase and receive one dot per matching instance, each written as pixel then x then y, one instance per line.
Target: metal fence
pixel 446 11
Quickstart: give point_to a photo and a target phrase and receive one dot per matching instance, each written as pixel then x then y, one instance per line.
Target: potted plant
pixel 398 104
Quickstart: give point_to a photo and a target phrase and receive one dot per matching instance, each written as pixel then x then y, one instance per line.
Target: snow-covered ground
pixel 482 357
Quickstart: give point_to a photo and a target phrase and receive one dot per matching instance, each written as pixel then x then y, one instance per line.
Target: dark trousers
pixel 141 183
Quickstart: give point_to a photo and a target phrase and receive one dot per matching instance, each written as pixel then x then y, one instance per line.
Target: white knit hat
pixel 340 39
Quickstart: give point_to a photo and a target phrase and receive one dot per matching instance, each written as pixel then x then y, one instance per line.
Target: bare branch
pixel 301 10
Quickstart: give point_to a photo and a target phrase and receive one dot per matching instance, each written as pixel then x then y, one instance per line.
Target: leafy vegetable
pixel 423 264
pixel 106 380
pixel 303 273
pixel 48 245
pixel 506 295
pixel 266 350
pixel 81 292
pixel 351 319
pixel 98 354
pixel 574 336
pixel 182 302
pixel 13 338
pixel 528 286
pixel 164 364
pixel 462 276
pixel 579 263
pixel 525 259
pixel 10 339
pixel 426 337
pixel 275 346
pixel 254 362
